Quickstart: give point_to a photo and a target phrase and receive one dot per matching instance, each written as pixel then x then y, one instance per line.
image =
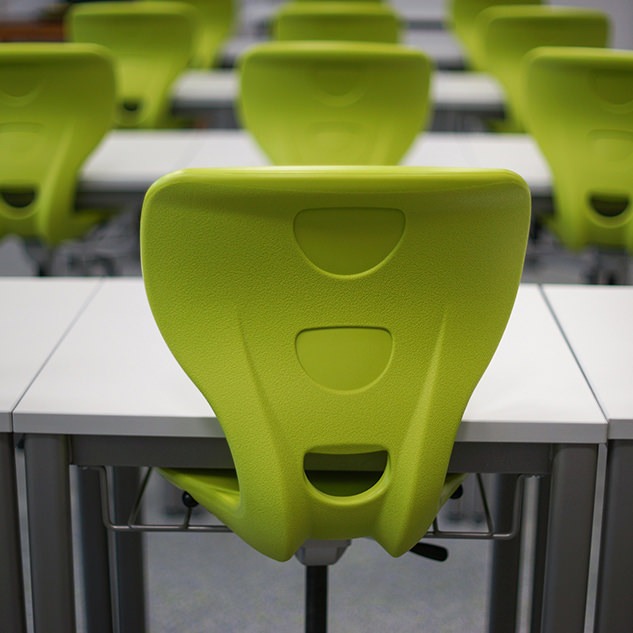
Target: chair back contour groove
pixel 580 112
pixel 340 21
pixel 508 33
pixel 151 42
pixel 56 104
pixel 337 320
pixel 462 19
pixel 327 103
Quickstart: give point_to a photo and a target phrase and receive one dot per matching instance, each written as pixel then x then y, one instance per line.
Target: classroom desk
pixel 35 316
pixel 440 46
pixel 127 162
pixel 113 394
pixel 255 17
pixel 203 93
pixel 597 322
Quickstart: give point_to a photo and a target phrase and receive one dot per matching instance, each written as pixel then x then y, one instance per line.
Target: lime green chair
pixel 56 103
pixel 462 15
pixel 346 21
pixel 216 21
pixel 332 317
pixel 507 33
pixel 580 112
pixel 329 103
pixel 151 43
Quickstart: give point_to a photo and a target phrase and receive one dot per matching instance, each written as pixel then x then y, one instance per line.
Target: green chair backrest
pixel 56 103
pixel 347 21
pixel 328 103
pixel 580 112
pixel 216 20
pixel 507 33
pixel 331 316
pixel 462 15
pixel 151 43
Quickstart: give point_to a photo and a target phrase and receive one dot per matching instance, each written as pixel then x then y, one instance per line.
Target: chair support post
pixel 316 598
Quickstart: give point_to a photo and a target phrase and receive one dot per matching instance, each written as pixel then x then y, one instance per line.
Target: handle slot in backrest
pixel 608 205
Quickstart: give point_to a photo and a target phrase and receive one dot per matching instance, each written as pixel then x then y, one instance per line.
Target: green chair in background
pixel 151 43
pixel 337 320
pixel 507 33
pixel 215 23
pixel 328 103
pixel 462 15
pixel 580 111
pixel 347 21
pixel 56 103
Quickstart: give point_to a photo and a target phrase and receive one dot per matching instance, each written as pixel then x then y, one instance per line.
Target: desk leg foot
pixel 129 560
pixel 614 606
pixel 12 616
pixel 506 555
pixel 94 554
pixel 50 533
pixel 569 538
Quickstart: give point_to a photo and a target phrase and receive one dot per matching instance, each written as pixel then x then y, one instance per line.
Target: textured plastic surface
pixel 462 18
pixel 56 103
pixel 580 112
pixel 234 292
pixel 327 103
pixel 342 21
pixel 507 33
pixel 151 42
pixel 216 21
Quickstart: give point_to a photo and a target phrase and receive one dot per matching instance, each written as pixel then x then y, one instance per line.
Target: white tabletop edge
pixel 43 410
pixel 6 417
pixel 620 426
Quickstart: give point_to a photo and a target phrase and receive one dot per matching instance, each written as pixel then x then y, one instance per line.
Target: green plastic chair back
pixel 462 15
pixel 332 317
pixel 216 20
pixel 580 111
pixel 329 103
pixel 151 44
pixel 507 33
pixel 56 103
pixel 343 21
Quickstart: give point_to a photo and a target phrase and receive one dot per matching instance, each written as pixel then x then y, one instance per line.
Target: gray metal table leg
pixel 12 618
pixel 94 554
pixel 50 533
pixel 130 580
pixel 614 606
pixel 506 558
pixel 569 538
pixel 540 545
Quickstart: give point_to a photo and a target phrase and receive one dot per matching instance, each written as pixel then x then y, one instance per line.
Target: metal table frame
pixel 572 468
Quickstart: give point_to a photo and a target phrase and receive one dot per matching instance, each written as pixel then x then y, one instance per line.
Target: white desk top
pixel 257 15
pixel 517 152
pixel 455 91
pixel 35 315
pixel 439 45
pixel 113 375
pixel 129 161
pixel 598 324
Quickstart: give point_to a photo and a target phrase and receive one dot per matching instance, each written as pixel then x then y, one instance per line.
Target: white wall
pixel 621 12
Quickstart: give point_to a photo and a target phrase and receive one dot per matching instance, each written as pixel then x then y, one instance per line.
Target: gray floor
pixel 203 583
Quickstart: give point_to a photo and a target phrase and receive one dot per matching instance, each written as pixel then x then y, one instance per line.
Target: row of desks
pixel 128 162
pixel 439 45
pixel 204 93
pixel 88 379
pixel 255 17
